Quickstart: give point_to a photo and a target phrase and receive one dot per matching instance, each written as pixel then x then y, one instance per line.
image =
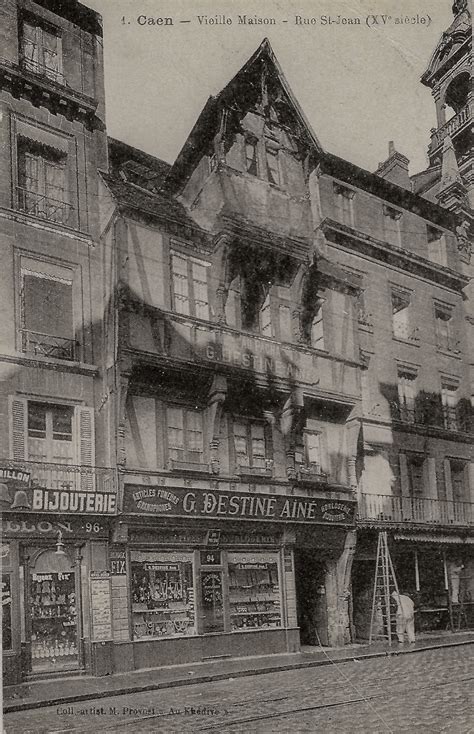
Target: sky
pixel 357 84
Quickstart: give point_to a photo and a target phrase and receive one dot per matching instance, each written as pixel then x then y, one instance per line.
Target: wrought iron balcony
pixel 383 509
pixel 42 70
pixel 43 206
pixel 59 477
pixel 46 345
pixel 449 128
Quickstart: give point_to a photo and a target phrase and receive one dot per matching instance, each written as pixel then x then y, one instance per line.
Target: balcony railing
pixel 45 345
pixel 43 206
pixel 450 127
pixel 42 70
pixel 421 510
pixel 64 476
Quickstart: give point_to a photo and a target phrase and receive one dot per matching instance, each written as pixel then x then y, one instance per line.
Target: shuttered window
pixel 50 435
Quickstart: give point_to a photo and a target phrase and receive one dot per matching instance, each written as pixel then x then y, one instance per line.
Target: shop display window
pixel 254 590
pixel 6 612
pixel 53 620
pixel 162 595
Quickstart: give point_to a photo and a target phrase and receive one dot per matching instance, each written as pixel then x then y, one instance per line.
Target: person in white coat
pixel 405 617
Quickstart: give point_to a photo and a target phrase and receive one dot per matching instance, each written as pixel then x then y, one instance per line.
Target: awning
pixel 422 538
pixel 41 135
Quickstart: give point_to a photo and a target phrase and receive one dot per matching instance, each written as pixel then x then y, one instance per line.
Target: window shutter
pixel 85 438
pixel 18 428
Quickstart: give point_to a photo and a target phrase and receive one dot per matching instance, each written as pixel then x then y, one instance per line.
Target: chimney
pixel 395 168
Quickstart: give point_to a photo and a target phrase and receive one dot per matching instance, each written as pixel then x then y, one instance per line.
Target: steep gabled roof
pixel 242 90
pixel 450 46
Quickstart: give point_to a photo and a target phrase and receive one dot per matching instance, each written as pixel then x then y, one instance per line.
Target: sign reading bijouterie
pixel 73 501
pixel 235 505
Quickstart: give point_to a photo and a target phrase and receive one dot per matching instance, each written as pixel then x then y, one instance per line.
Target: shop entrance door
pixel 52 618
pixel 212 601
pixel 310 597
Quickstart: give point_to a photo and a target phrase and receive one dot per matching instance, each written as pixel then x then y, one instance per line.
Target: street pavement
pixel 430 692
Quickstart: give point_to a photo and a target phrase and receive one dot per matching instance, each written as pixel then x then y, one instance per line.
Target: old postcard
pixel 236 354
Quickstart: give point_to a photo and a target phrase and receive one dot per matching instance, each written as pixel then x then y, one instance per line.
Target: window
pixel 42 182
pixel 343 200
pixel 162 595
pixel 406 394
pixel 449 399
pixel 185 435
pixel 251 156
pixel 286 334
pixel 436 245
pixel 401 316
pixel 415 465
pixel 312 445
pixel 273 165
pixel 317 331
pixel 392 218
pixel 250 445
pixel 254 590
pixel 41 51
pixel 444 329
pixel 47 323
pixel 190 286
pixel 266 317
pixel 458 480
pixel 50 430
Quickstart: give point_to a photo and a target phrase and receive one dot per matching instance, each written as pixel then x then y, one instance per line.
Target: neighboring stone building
pixel 52 141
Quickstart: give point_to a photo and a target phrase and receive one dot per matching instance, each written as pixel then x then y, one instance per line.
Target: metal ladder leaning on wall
pixel 385 583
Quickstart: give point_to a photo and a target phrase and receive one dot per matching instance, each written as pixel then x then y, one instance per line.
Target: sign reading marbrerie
pixel 235 505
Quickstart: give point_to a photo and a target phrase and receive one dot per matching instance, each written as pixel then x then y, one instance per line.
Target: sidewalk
pixel 35 694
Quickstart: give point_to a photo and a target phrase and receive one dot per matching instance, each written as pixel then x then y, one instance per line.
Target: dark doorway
pixel 310 573
pixel 363 579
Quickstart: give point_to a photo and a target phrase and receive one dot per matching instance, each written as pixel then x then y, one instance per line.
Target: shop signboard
pixel 71 501
pixel 215 503
pixel 19 527
pixel 118 560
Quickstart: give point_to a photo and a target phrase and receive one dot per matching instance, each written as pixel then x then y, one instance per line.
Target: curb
pixel 180 682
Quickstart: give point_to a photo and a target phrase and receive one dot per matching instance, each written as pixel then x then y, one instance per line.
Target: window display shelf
pixel 269 612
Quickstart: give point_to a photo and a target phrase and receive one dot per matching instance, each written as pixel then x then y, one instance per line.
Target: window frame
pixel 40 67
pixel 451 344
pixel 416 460
pixel 450 386
pixel 440 242
pixel 344 212
pixel 191 281
pixel 53 269
pixel 36 200
pixel 394 215
pixel 404 295
pixel 407 375
pixel 249 424
pixel 189 456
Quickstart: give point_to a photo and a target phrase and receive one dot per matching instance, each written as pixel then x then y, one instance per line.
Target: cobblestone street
pixel 428 692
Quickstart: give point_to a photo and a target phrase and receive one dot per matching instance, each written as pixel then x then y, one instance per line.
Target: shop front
pixel 436 570
pixel 210 574
pixel 48 561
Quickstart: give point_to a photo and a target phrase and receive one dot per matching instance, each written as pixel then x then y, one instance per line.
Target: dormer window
pixel 262 158
pixel 41 50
